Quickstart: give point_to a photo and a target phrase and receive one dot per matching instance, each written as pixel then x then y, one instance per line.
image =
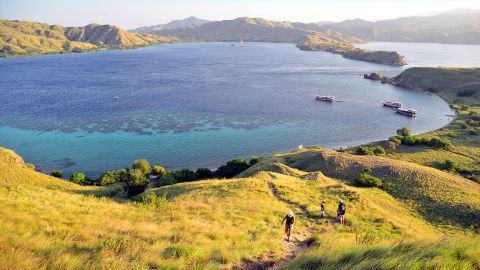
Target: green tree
pixel 232 168
pixel 450 165
pixel 159 170
pixel 57 173
pixel 142 165
pixel 364 151
pixel 404 131
pixel 135 182
pixel 253 160
pixel 365 179
pixel 112 177
pixel 165 180
pixel 379 150
pixel 203 173
pixel 79 178
pixel 184 175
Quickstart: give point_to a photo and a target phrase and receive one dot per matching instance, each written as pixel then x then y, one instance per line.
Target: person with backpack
pixel 289 219
pixel 322 209
pixel 341 211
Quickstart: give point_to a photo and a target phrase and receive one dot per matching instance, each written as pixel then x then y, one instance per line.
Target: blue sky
pixel 131 14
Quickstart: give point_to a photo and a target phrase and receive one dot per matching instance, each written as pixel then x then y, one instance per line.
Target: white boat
pixel 115 98
pixel 242 44
pixel 390 104
pixel 407 112
pixel 325 98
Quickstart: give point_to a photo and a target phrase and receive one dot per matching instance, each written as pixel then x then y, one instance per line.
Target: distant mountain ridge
pixel 23 37
pixel 453 27
pixel 175 24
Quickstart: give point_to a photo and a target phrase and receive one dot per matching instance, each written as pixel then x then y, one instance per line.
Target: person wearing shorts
pixel 289 219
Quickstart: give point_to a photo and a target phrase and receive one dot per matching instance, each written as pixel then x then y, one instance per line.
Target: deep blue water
pixel 194 105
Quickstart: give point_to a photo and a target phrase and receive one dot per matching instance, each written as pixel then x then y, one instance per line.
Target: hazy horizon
pixel 131 15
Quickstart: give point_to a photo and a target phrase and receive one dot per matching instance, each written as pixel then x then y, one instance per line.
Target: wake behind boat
pixel 325 98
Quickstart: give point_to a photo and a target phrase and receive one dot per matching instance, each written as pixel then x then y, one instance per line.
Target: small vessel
pixel 390 104
pixel 325 98
pixel 242 44
pixel 407 112
pixel 115 98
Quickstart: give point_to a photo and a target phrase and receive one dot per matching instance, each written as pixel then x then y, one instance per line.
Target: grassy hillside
pixel 447 82
pixel 22 37
pixel 49 223
pixel 346 49
pixel 440 197
pixel 461 88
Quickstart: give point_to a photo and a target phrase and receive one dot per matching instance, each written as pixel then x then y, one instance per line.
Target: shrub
pixel 404 132
pixel 112 177
pixel 475 116
pixel 409 140
pixel 464 126
pixel 466 93
pixel 253 160
pixel 165 180
pixel 464 107
pixel 183 175
pixel 142 165
pixel 396 140
pixel 153 200
pixel 232 168
pixel 135 182
pixel 159 170
pixel 79 178
pixel 450 165
pixel 364 151
pixel 57 173
pixel 474 131
pixel 365 179
pixel 203 173
pixel 438 143
pixel 379 150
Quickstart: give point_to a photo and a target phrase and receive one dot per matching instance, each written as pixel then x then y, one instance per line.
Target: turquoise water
pixel 194 105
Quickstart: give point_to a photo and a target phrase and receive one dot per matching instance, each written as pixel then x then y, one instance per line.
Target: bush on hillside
pixel 253 160
pixel 365 179
pixel 80 178
pixel 142 165
pixel 464 107
pixel 165 180
pixel 159 170
pixel 57 173
pixel 183 175
pixel 232 168
pixel 450 165
pixel 135 182
pixel 439 143
pixel 379 150
pixel 364 151
pixel 466 93
pixel 112 177
pixel 203 173
pixel 405 132
pixel 475 116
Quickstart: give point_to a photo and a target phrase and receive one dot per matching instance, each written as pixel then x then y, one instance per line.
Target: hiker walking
pixel 322 209
pixel 341 211
pixel 289 219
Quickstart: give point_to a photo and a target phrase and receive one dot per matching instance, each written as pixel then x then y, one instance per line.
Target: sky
pixel 136 13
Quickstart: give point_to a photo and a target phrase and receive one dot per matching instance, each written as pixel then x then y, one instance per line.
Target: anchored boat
pixel 325 98
pixel 407 112
pixel 390 104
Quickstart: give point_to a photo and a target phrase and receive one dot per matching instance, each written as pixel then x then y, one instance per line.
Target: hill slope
pixel 175 24
pixel 460 27
pixel 22 37
pixel 440 197
pixel 51 223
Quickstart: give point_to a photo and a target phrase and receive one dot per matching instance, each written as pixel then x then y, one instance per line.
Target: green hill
pixel 22 37
pixel 48 223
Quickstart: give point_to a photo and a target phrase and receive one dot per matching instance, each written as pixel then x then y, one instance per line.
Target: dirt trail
pixel 298 241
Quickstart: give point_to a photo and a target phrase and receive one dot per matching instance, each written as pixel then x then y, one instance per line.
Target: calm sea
pixel 199 105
